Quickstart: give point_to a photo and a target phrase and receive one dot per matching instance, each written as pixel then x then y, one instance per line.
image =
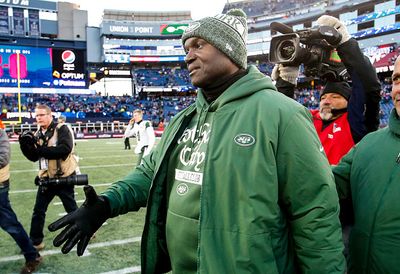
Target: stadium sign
pixel 141 29
pixel 34 4
pixel 117 73
pixel 382 57
pixel 173 29
pixel 68 68
pixel 36 67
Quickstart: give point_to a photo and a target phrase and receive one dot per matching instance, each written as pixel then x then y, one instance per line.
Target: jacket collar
pixel 214 91
pixel 394 122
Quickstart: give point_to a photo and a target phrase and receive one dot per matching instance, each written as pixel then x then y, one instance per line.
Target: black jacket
pixel 64 143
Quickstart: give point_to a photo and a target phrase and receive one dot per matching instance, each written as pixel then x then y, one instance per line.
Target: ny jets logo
pixel 228 47
pixel 244 140
pixel 182 189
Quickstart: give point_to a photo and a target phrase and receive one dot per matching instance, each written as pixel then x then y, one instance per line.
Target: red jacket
pixel 336 138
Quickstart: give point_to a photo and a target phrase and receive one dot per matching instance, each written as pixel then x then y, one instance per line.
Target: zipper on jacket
pixel 392 179
pixel 200 121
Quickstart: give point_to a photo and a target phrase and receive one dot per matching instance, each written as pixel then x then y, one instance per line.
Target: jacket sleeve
pixel 363 107
pixel 129 131
pixel 308 196
pixel 342 174
pixel 131 193
pixel 4 149
pixel 285 87
pixel 62 149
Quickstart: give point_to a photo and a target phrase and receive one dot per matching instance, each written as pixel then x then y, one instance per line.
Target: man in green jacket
pixel 238 183
pixel 370 174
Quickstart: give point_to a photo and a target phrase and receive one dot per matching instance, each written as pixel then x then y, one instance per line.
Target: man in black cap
pixel 331 121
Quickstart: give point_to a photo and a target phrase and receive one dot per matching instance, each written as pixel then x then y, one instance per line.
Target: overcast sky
pixel 198 8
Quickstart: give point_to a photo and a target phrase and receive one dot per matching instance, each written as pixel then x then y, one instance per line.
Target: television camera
pixel 312 47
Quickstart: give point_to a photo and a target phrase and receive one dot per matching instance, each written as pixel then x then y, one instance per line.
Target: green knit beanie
pixel 227 32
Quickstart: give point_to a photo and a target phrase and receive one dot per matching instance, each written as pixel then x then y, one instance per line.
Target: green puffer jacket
pixel 268 200
pixel 370 175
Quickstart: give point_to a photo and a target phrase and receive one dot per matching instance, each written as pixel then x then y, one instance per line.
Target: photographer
pixel 52 146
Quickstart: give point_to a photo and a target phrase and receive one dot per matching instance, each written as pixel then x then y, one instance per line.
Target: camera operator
pixel 346 114
pixel 52 146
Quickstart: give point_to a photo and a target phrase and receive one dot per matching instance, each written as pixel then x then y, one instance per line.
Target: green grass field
pixel 116 247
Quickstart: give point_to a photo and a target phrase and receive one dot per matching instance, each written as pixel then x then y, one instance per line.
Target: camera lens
pixel 287 49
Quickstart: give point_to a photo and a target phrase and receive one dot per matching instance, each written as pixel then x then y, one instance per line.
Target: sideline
pixel 87 253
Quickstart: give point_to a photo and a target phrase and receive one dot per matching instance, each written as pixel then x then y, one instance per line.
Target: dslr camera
pixel 313 47
pixel 81 179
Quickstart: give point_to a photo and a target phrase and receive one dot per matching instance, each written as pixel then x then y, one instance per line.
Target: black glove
pixel 82 223
pixel 28 146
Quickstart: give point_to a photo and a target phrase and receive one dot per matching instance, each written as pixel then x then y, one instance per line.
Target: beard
pixel 326 113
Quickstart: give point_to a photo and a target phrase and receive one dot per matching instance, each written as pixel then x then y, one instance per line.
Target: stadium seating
pixel 262 7
pixel 156 108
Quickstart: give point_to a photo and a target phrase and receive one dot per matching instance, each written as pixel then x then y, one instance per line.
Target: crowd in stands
pixel 165 77
pixel 262 7
pixel 157 108
pixel 83 107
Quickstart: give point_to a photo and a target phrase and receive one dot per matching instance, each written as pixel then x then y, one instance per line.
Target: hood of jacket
pixel 241 88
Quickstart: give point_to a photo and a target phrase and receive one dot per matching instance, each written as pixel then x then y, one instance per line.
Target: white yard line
pixel 134 269
pixel 58 251
pixel 77 201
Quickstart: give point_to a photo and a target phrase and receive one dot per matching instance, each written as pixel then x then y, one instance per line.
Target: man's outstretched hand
pixel 82 223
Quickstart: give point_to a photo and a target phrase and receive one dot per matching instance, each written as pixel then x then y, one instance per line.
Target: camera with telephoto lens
pixel 78 180
pixel 314 48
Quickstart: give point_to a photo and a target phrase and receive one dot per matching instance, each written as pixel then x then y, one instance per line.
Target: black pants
pixel 44 196
pixel 127 144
